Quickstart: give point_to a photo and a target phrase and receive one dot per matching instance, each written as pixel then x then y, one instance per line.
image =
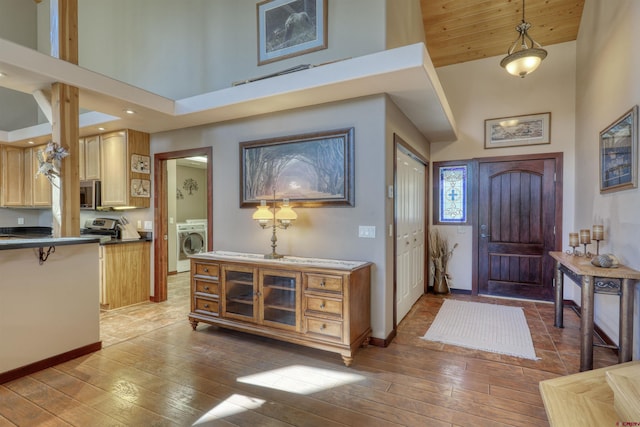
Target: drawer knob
pixel 206 288
pixel 323 327
pixel 206 270
pixel 206 306
pixel 322 284
pixel 322 305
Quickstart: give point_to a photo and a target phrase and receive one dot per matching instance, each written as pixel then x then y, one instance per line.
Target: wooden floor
pixel 169 375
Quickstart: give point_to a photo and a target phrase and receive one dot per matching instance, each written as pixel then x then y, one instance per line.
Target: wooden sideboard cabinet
pixel 318 303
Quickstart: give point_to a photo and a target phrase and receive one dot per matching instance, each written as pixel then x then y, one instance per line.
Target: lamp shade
pixel 263 214
pixel 285 214
pixel 524 61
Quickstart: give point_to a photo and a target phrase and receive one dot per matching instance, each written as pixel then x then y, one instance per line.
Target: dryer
pixel 192 239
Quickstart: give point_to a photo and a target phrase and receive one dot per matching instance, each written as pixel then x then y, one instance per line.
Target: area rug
pixel 486 327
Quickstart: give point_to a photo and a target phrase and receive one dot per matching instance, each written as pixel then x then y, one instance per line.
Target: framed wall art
pixel 289 28
pixel 517 130
pixel 619 153
pixel 309 170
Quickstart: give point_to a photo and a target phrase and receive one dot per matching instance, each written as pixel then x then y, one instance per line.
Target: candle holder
pixel 573 242
pixel 585 239
pixel 598 235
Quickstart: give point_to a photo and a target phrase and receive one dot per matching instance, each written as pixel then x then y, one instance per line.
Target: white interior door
pixel 410 233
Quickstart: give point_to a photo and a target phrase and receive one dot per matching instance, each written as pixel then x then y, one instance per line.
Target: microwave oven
pixel 90 194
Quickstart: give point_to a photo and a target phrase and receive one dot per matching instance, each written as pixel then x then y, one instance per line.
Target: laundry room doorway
pixel 183 206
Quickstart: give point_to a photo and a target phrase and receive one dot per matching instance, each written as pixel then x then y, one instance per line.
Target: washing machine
pixel 192 239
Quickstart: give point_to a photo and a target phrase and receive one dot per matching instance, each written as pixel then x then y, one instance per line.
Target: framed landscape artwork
pixel 517 130
pixel 289 28
pixel 310 170
pixel 619 153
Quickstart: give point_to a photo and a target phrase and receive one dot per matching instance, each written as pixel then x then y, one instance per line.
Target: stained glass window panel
pixel 453 194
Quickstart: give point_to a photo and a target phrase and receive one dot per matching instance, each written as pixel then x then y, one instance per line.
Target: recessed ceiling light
pixel 31 142
pixel 129 111
pixel 2 74
pixel 100 128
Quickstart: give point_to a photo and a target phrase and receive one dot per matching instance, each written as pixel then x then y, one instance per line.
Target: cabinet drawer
pixel 206 306
pixel 324 283
pixel 211 270
pixel 206 287
pixel 324 305
pixel 326 328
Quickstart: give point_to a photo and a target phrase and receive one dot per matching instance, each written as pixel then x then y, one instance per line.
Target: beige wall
pixel 607 87
pixel 480 90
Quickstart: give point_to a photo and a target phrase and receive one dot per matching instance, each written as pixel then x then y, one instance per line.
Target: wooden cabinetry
pixel 89 160
pixel 124 274
pixel 21 187
pixel 318 303
pixel 37 188
pixel 121 186
pixel 12 176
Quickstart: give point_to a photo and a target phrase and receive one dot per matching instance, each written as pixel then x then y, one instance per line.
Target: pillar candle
pixel 585 236
pixel 573 239
pixel 598 232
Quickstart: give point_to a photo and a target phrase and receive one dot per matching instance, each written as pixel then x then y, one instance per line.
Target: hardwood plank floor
pixel 155 371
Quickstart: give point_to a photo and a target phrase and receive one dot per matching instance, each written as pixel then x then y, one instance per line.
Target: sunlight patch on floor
pixel 301 379
pixel 234 404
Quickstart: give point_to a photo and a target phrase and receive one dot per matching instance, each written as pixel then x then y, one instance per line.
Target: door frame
pixel 399 142
pixel 557 156
pixel 161 215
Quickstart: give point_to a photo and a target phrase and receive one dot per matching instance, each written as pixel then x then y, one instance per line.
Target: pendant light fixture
pixel 525 60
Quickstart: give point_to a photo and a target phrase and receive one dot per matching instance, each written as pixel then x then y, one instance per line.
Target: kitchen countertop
pixel 36 237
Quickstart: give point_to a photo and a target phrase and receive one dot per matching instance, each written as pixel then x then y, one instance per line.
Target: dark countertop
pixel 37 237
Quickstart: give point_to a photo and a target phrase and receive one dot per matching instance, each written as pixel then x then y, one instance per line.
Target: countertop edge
pixel 46 241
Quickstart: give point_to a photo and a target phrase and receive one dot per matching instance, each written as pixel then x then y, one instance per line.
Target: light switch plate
pixel 367 231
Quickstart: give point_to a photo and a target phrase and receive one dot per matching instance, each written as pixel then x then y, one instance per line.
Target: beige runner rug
pixel 488 327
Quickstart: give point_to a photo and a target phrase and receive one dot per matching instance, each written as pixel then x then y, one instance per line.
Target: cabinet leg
pixel 348 360
pixel 194 324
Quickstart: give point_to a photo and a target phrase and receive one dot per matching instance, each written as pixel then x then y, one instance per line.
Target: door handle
pixel 483 231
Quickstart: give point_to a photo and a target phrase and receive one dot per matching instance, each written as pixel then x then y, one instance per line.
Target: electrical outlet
pixel 148 225
pixel 20 221
pixel 367 231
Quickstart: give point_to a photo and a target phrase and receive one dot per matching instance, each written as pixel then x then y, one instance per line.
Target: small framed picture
pixel 289 28
pixel 619 153
pixel 513 131
pixel 140 163
pixel 140 188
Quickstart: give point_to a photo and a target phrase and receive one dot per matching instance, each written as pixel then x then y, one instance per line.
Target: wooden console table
pixel 617 281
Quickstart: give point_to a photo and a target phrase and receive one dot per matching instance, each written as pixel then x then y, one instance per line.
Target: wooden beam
pixel 66 126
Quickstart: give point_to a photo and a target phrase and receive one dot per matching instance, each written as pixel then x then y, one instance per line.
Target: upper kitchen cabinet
pixel 37 188
pixel 89 161
pixel 12 176
pixel 126 173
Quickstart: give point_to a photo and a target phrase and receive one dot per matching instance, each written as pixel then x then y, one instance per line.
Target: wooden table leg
pixel 586 324
pixel 626 320
pixel 559 297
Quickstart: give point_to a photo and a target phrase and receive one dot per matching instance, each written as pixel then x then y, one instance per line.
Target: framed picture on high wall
pixel 532 129
pixel 289 28
pixel 619 153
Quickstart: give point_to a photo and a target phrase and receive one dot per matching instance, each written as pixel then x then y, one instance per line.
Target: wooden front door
pixel 518 217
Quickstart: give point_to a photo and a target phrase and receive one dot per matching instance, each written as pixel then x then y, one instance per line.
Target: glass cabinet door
pixel 239 292
pixel 279 293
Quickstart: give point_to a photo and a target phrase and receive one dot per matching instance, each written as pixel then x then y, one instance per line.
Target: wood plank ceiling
pixel 465 30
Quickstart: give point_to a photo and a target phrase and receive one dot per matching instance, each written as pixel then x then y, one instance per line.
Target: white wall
pixel 480 90
pixel 607 87
pixel 327 232
pixel 208 44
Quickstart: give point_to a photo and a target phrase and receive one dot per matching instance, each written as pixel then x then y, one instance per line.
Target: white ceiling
pixel 406 74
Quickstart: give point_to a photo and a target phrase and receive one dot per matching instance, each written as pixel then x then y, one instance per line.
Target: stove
pixel 101 227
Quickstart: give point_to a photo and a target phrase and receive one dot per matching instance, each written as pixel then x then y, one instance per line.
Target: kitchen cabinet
pixel 37 187
pixel 12 176
pixel 122 186
pixel 89 160
pixel 313 302
pixel 124 274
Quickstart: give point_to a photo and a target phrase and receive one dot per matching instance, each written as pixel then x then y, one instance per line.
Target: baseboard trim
pixel 609 343
pixel 49 362
pixel 383 342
